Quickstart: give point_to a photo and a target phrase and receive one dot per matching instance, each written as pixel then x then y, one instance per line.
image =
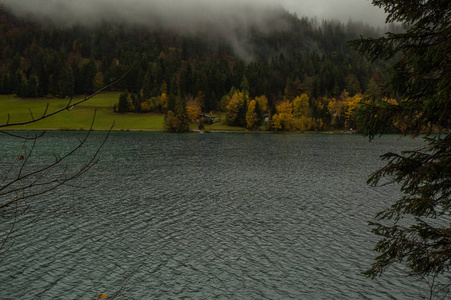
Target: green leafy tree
pixel 373 90
pixel 245 86
pixel 67 84
pixel 421 77
pixel 123 106
pixel 352 85
pixel 32 88
pixel 88 72
pixel 99 81
pixel 22 87
pixel 178 120
pixel 147 88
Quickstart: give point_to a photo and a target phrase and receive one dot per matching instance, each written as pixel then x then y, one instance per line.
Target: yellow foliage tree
pixel 317 124
pixel 145 106
pixel 352 104
pixel 301 106
pixel 335 107
pixel 284 118
pixel 130 105
pixel 390 101
pixel 263 103
pixel 301 111
pixel 251 115
pixel 235 108
pixel 164 100
pixel 304 123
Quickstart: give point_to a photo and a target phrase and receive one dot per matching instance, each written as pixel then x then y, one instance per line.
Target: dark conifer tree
pixel 421 79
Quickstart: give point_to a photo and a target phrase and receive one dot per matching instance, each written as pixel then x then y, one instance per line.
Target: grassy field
pixel 80 117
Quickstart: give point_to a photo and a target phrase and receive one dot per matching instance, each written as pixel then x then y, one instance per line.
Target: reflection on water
pixel 205 216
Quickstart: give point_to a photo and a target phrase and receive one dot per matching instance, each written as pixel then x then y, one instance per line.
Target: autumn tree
pixel 146 106
pixel 284 118
pixel 164 101
pixel 252 118
pixel 263 103
pixel 336 108
pixel 421 78
pixel 237 108
pixel 193 109
pixel 301 106
pixel 301 112
pixel 352 105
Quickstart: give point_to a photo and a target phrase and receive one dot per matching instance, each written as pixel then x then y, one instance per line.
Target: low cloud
pixel 185 13
pixel 177 14
pixel 227 20
pixel 343 10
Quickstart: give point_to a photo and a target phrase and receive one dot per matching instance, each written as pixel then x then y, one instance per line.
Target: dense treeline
pixel 304 58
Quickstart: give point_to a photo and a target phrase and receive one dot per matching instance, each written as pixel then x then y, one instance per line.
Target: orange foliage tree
pixel 193 109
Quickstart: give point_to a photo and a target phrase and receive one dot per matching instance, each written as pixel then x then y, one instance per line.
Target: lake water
pixel 207 216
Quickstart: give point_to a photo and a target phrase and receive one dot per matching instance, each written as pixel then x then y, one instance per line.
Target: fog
pixel 229 20
pixel 186 13
pixel 343 10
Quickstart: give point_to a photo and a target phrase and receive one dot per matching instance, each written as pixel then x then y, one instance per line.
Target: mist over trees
pixel 302 57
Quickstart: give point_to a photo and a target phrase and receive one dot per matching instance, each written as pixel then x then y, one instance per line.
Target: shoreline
pixel 194 131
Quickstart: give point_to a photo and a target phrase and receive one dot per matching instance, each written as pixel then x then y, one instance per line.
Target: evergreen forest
pixel 302 76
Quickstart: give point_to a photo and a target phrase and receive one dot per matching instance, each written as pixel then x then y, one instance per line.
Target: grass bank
pixel 80 117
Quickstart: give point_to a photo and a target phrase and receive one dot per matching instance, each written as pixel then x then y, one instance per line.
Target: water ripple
pixel 211 217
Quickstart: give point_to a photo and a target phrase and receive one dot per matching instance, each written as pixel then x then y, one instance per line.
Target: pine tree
pixel 122 106
pixel 421 78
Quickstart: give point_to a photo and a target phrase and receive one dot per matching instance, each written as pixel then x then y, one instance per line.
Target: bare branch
pixel 21 136
pixel 31 113
pixel 42 173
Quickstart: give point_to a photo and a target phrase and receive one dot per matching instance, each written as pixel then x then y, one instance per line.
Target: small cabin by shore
pixel 209 119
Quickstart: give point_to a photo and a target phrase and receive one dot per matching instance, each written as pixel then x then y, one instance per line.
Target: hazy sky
pixel 192 10
pixel 226 20
pixel 357 10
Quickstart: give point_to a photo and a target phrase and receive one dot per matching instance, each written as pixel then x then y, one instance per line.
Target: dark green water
pixel 203 216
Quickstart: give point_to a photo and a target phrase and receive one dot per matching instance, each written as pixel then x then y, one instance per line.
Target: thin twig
pixel 21 136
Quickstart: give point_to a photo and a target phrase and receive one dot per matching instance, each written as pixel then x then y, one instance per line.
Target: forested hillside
pixel 302 74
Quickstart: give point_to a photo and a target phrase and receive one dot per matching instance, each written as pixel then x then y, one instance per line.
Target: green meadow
pixel 81 116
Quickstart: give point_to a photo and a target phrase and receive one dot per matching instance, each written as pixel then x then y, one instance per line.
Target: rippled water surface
pixel 203 216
